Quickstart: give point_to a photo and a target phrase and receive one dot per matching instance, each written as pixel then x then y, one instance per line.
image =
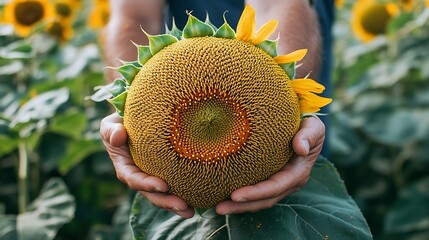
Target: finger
pixel 112 130
pixel 135 178
pixel 292 176
pixel 230 207
pixel 171 203
pixel 310 135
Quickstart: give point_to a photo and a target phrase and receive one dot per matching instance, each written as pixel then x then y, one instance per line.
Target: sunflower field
pixel 56 179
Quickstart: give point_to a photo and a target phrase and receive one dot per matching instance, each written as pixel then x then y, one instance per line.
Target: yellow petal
pixel 246 24
pixel 265 31
pixel 295 56
pixel 311 102
pixel 304 85
pixel 305 108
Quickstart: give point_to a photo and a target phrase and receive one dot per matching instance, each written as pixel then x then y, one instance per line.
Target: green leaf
pixel 269 46
pixel 225 31
pixel 128 71
pixel 143 53
pixel 410 212
pixel 76 152
pixel 196 28
pixel 17 50
pixel 119 102
pixel 8 227
pixel 322 209
pixel 289 68
pixel 71 123
pixel 42 106
pixel 53 208
pixel 11 68
pixel 8 140
pixel 397 127
pixel 158 42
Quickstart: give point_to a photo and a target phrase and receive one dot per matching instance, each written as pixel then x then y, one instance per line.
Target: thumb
pixel 113 131
pixel 310 135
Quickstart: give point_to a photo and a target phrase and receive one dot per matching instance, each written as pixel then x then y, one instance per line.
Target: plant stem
pixel 22 177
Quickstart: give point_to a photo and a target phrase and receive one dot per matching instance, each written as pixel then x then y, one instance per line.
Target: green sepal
pixel 289 68
pixel 175 31
pixel 119 102
pixel 128 71
pixel 158 42
pixel 135 63
pixel 269 46
pixel 143 53
pixel 207 21
pixel 196 28
pixel 225 31
pixel 117 87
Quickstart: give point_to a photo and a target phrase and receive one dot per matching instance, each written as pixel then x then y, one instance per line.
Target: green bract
pixel 116 93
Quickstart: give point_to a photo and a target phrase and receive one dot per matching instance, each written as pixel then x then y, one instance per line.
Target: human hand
pixel 154 189
pixel 307 145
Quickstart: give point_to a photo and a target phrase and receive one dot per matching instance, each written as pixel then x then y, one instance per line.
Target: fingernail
pixel 158 189
pixel 241 200
pixel 305 146
pixel 175 208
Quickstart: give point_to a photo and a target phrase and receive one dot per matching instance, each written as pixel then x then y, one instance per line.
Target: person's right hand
pixel 153 188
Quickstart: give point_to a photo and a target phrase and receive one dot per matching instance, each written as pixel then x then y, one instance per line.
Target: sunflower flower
pixel 66 10
pixel 304 88
pixel 100 14
pixel 370 18
pixel 407 5
pixel 24 15
pixel 60 30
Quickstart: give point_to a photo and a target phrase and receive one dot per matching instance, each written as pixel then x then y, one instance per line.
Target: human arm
pixel 127 18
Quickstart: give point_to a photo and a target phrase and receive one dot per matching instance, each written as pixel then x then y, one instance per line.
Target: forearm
pixel 124 26
pixel 298 28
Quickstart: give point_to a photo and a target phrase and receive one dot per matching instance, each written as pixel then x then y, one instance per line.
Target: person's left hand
pixel 307 145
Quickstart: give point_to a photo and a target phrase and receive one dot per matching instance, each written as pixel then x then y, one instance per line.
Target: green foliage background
pixel 380 127
pixel 54 166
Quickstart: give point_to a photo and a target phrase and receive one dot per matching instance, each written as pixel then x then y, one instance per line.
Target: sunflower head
pixel 211 109
pixel 370 18
pixel 24 15
pixel 407 5
pixel 59 30
pixel 100 14
pixel 66 10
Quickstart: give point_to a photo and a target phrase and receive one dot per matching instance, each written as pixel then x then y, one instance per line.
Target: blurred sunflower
pixel 100 14
pixel 60 30
pixel 407 5
pixel 370 18
pixel 24 15
pixel 66 10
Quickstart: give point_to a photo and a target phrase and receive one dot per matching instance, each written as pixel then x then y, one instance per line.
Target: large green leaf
pixel 77 151
pixel 53 208
pixel 8 227
pixel 71 123
pixel 410 213
pixel 42 106
pixel 322 209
